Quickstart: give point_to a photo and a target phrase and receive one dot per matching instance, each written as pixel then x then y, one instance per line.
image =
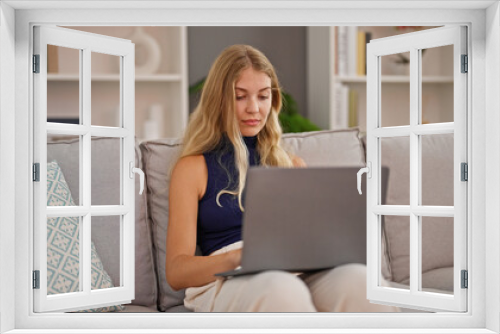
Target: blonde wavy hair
pixel 215 115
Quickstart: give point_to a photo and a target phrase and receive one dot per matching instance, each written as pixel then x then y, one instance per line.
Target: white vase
pixel 147 52
pixel 153 125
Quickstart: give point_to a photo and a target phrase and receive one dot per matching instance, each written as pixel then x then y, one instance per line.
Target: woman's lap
pixel 341 289
pixel 269 291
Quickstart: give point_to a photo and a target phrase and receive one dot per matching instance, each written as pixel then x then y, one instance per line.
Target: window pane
pixel 63 85
pixel 437 254
pixel 397 233
pixel 63 170
pixel 437 169
pixel 395 154
pixel 437 85
pixel 105 90
pixel 106 168
pixel 63 255
pixel 395 96
pixel 106 246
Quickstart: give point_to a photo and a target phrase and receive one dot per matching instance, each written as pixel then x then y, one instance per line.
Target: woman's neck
pixel 250 141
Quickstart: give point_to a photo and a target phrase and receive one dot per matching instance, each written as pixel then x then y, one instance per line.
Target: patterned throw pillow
pixel 63 245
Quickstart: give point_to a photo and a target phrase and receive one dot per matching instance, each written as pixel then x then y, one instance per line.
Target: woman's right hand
pixel 235 257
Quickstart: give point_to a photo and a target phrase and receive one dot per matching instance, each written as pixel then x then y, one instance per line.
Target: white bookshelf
pixel 322 79
pixel 166 88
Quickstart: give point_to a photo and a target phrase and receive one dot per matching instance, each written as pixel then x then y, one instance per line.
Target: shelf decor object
pixel 147 52
pixel 153 126
pixel 399 64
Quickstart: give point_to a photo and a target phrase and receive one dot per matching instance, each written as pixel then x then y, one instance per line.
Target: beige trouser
pixel 342 289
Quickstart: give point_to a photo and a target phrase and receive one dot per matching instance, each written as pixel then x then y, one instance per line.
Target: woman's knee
pixel 342 280
pixel 281 285
pixel 337 289
pixel 352 274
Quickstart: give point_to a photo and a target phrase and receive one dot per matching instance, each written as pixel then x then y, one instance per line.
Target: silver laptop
pixel 303 219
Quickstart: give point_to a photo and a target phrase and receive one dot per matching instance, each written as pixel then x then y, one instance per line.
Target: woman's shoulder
pixel 190 163
pixel 190 167
pixel 190 172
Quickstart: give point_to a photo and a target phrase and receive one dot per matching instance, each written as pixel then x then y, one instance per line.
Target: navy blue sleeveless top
pixel 221 226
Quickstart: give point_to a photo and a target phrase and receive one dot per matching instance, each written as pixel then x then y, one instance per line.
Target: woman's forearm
pixel 186 271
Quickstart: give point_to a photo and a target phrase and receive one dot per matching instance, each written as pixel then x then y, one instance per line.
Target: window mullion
pixel 103 131
pixel 109 210
pixel 420 129
pixel 434 211
pixel 414 172
pixel 67 211
pixel 86 164
pixel 422 211
pixel 80 211
pixel 395 210
pixel 392 131
pixel 66 129
pixel 127 102
pixel 434 128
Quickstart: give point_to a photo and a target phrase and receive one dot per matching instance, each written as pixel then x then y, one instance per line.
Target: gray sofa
pixel 322 148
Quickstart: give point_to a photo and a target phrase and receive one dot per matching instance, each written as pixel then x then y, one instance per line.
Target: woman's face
pixel 253 101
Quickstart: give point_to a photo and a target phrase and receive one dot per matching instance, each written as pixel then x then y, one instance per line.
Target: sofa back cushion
pixel 158 157
pixel 321 148
pixel 66 153
pixel 336 148
pixel 437 189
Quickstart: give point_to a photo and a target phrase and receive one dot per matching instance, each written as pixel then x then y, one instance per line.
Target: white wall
pixel 284 46
pixel 7 162
pixel 492 185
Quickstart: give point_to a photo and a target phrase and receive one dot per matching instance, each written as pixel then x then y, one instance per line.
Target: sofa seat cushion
pixel 131 308
pixel 321 148
pixel 178 309
pixel 105 182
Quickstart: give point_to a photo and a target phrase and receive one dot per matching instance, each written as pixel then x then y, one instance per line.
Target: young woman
pixel 236 126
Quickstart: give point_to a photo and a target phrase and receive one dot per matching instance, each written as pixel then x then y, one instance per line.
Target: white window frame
pixel 87 44
pixel 483 145
pixel 414 131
